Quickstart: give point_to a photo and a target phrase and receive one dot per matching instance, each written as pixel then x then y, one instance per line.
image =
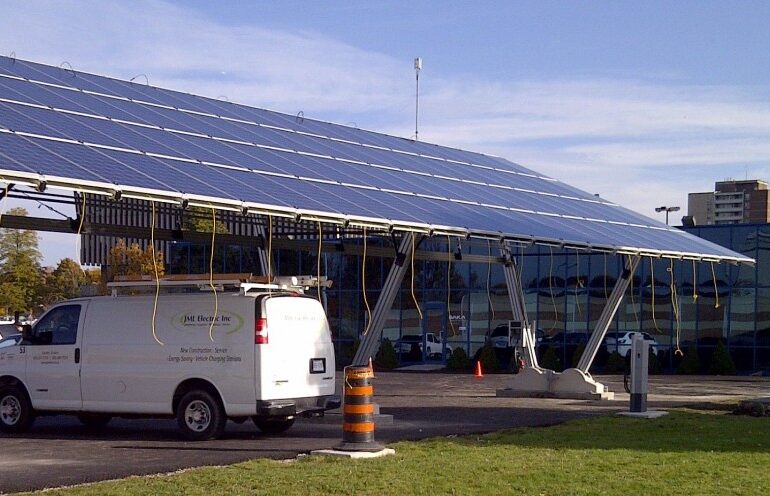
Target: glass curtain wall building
pixel 678 303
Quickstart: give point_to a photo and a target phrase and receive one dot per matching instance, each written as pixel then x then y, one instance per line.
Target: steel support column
pixel 261 250
pixel 371 339
pixel 608 313
pixel 518 305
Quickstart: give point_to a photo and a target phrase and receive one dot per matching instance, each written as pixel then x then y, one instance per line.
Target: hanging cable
pixel 716 292
pixel 633 303
pixel 157 278
pixel 489 277
pixel 652 287
pixel 270 254
pixel 694 282
pixel 449 283
pixel 577 283
pixel 5 199
pixel 80 228
pixel 318 261
pixel 675 307
pixel 211 273
pixel 414 298
pixel 363 287
pixel 550 289
pixel 606 295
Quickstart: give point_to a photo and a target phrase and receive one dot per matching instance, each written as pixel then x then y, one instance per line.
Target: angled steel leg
pixel 518 306
pixel 371 340
pixel 608 313
pixel 261 251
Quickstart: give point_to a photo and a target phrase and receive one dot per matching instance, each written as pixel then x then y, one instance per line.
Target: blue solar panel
pixel 274 162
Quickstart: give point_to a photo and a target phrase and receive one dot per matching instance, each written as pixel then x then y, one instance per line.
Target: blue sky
pixel 641 102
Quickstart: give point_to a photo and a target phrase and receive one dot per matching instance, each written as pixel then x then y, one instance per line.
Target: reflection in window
pixel 59 326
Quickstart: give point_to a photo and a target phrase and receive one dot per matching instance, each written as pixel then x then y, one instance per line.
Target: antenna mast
pixel 417 68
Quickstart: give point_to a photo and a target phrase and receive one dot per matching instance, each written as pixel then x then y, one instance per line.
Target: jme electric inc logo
pixel 226 322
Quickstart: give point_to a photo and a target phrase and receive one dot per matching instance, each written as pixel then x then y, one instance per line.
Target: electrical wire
pixel 318 280
pixel 652 288
pixel 694 283
pixel 157 278
pixel 414 298
pixel 363 287
pixel 577 283
pixel 633 303
pixel 716 292
pixel 270 254
pixel 675 306
pixel 606 296
pixel 5 200
pixel 80 228
pixel 550 289
pixel 449 284
pixel 211 274
pixel 489 277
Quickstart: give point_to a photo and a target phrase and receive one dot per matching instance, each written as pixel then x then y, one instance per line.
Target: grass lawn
pixel 684 453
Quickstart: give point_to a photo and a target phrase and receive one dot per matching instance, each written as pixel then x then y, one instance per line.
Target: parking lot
pixel 58 451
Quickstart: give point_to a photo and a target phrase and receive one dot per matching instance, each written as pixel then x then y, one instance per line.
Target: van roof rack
pixel 245 282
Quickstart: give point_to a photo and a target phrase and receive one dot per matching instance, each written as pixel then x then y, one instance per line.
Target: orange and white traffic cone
pixel 479 374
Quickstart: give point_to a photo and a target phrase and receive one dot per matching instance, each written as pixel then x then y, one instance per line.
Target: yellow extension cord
pixel 550 289
pixel 449 284
pixel 363 287
pixel 716 292
pixel 211 274
pixel 157 278
pixel 414 298
pixel 318 280
pixel 489 276
pixel 675 306
pixel 652 287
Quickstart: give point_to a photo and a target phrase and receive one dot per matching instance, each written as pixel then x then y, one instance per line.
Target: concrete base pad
pixel 544 383
pixel 354 454
pixel 649 414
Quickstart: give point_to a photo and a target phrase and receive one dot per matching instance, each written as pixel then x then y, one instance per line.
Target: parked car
pixel 621 342
pixel 8 329
pixel 10 340
pixel 408 342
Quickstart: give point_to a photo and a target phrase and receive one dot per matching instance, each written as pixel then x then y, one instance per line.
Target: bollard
pixel 358 411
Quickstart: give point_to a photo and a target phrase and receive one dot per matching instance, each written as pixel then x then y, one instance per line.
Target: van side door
pixel 53 358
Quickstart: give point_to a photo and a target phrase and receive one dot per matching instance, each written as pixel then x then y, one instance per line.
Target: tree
pixel 64 282
pixel 21 276
pixel 200 219
pixel 132 260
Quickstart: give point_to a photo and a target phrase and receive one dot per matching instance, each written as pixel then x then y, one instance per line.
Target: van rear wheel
pixel 200 416
pixel 273 425
pixel 16 414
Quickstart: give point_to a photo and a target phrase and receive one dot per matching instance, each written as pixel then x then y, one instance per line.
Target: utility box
pixel 640 351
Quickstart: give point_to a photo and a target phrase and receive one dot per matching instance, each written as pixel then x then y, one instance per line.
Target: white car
pixel 621 342
pixel 434 345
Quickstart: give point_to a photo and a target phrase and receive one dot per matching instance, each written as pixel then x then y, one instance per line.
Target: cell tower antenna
pixel 417 69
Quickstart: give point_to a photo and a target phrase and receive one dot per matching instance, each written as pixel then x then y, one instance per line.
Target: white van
pixel 269 356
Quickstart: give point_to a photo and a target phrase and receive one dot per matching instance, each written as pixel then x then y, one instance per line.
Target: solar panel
pixel 106 134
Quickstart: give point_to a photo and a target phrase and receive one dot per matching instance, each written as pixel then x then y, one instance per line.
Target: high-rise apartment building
pixel 731 202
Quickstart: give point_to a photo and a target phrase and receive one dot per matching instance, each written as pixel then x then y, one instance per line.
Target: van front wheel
pixel 273 425
pixel 16 413
pixel 200 416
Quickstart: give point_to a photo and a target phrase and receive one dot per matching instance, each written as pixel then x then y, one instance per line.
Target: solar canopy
pixel 78 131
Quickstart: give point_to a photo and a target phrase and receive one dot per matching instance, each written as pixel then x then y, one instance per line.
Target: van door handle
pixel 77 355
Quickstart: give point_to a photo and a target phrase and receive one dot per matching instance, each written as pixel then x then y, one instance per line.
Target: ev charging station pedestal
pixel 640 353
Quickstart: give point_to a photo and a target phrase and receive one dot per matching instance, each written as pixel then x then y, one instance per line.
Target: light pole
pixel 667 210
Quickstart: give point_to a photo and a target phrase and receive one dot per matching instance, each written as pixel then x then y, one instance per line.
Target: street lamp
pixel 667 210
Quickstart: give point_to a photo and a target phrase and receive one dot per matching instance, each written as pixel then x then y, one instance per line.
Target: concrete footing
pixel 354 454
pixel 649 414
pixel 544 383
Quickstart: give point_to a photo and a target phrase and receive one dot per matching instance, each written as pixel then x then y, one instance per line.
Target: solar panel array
pixel 92 133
